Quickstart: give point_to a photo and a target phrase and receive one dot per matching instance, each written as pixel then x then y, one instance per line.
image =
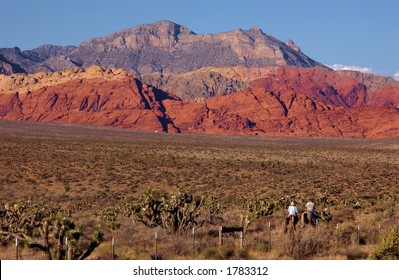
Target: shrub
pixel 388 247
pixel 305 245
pixel 225 253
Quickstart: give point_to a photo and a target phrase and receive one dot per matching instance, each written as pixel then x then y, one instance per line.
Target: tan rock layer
pixel 31 82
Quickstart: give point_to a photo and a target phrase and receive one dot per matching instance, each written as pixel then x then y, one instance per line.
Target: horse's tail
pixel 305 218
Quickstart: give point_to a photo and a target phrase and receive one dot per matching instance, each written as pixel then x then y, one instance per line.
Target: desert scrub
pixel 305 244
pixel 225 253
pixel 118 165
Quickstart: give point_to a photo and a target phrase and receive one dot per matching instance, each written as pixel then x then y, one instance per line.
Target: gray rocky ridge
pixel 164 47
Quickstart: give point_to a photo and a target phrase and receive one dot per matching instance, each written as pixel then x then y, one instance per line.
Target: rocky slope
pixel 196 85
pixel 164 47
pixel 289 102
pixel 8 68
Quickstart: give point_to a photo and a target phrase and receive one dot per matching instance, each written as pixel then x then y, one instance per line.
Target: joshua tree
pixel 110 216
pixel 176 213
pixel 45 228
pixel 256 208
pixel 180 212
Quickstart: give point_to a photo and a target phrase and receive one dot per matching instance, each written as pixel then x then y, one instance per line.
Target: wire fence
pixel 204 242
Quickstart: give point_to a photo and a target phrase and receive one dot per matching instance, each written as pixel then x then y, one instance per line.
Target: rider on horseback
pixel 292 216
pixel 310 208
pixel 292 210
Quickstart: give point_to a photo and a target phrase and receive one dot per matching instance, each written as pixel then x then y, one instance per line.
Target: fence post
pixel 241 238
pixel 66 248
pixel 270 237
pixel 16 248
pixel 193 237
pixel 358 235
pixel 221 235
pixel 337 237
pixel 156 246
pixel 113 247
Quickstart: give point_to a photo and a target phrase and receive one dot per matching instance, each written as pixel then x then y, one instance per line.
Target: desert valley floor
pixel 89 169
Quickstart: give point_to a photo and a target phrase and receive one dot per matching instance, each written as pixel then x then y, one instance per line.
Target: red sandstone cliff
pixel 289 101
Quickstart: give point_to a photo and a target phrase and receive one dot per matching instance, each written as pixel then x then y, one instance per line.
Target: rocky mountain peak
pixel 159 29
pixel 256 29
pixel 167 28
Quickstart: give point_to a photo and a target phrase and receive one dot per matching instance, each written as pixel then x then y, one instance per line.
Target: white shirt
pixel 292 210
pixel 309 206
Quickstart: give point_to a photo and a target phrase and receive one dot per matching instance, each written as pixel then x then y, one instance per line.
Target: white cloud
pixel 396 76
pixel 352 68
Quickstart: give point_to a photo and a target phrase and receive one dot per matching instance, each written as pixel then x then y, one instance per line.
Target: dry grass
pixel 86 169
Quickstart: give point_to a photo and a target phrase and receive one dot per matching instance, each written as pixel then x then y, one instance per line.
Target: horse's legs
pixel 314 221
pixel 293 222
pixel 287 221
pixel 305 219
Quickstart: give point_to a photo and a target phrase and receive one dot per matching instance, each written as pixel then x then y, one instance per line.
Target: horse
pixel 309 218
pixel 293 220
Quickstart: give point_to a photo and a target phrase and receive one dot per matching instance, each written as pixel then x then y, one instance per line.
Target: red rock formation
pixel 123 103
pixel 319 85
pixel 297 102
pixel 290 101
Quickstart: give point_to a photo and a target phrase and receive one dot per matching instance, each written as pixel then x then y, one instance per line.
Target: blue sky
pixel 357 33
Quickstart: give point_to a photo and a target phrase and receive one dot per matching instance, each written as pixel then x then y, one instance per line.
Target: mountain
pixel 288 101
pixel 168 47
pixel 165 47
pixel 164 77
